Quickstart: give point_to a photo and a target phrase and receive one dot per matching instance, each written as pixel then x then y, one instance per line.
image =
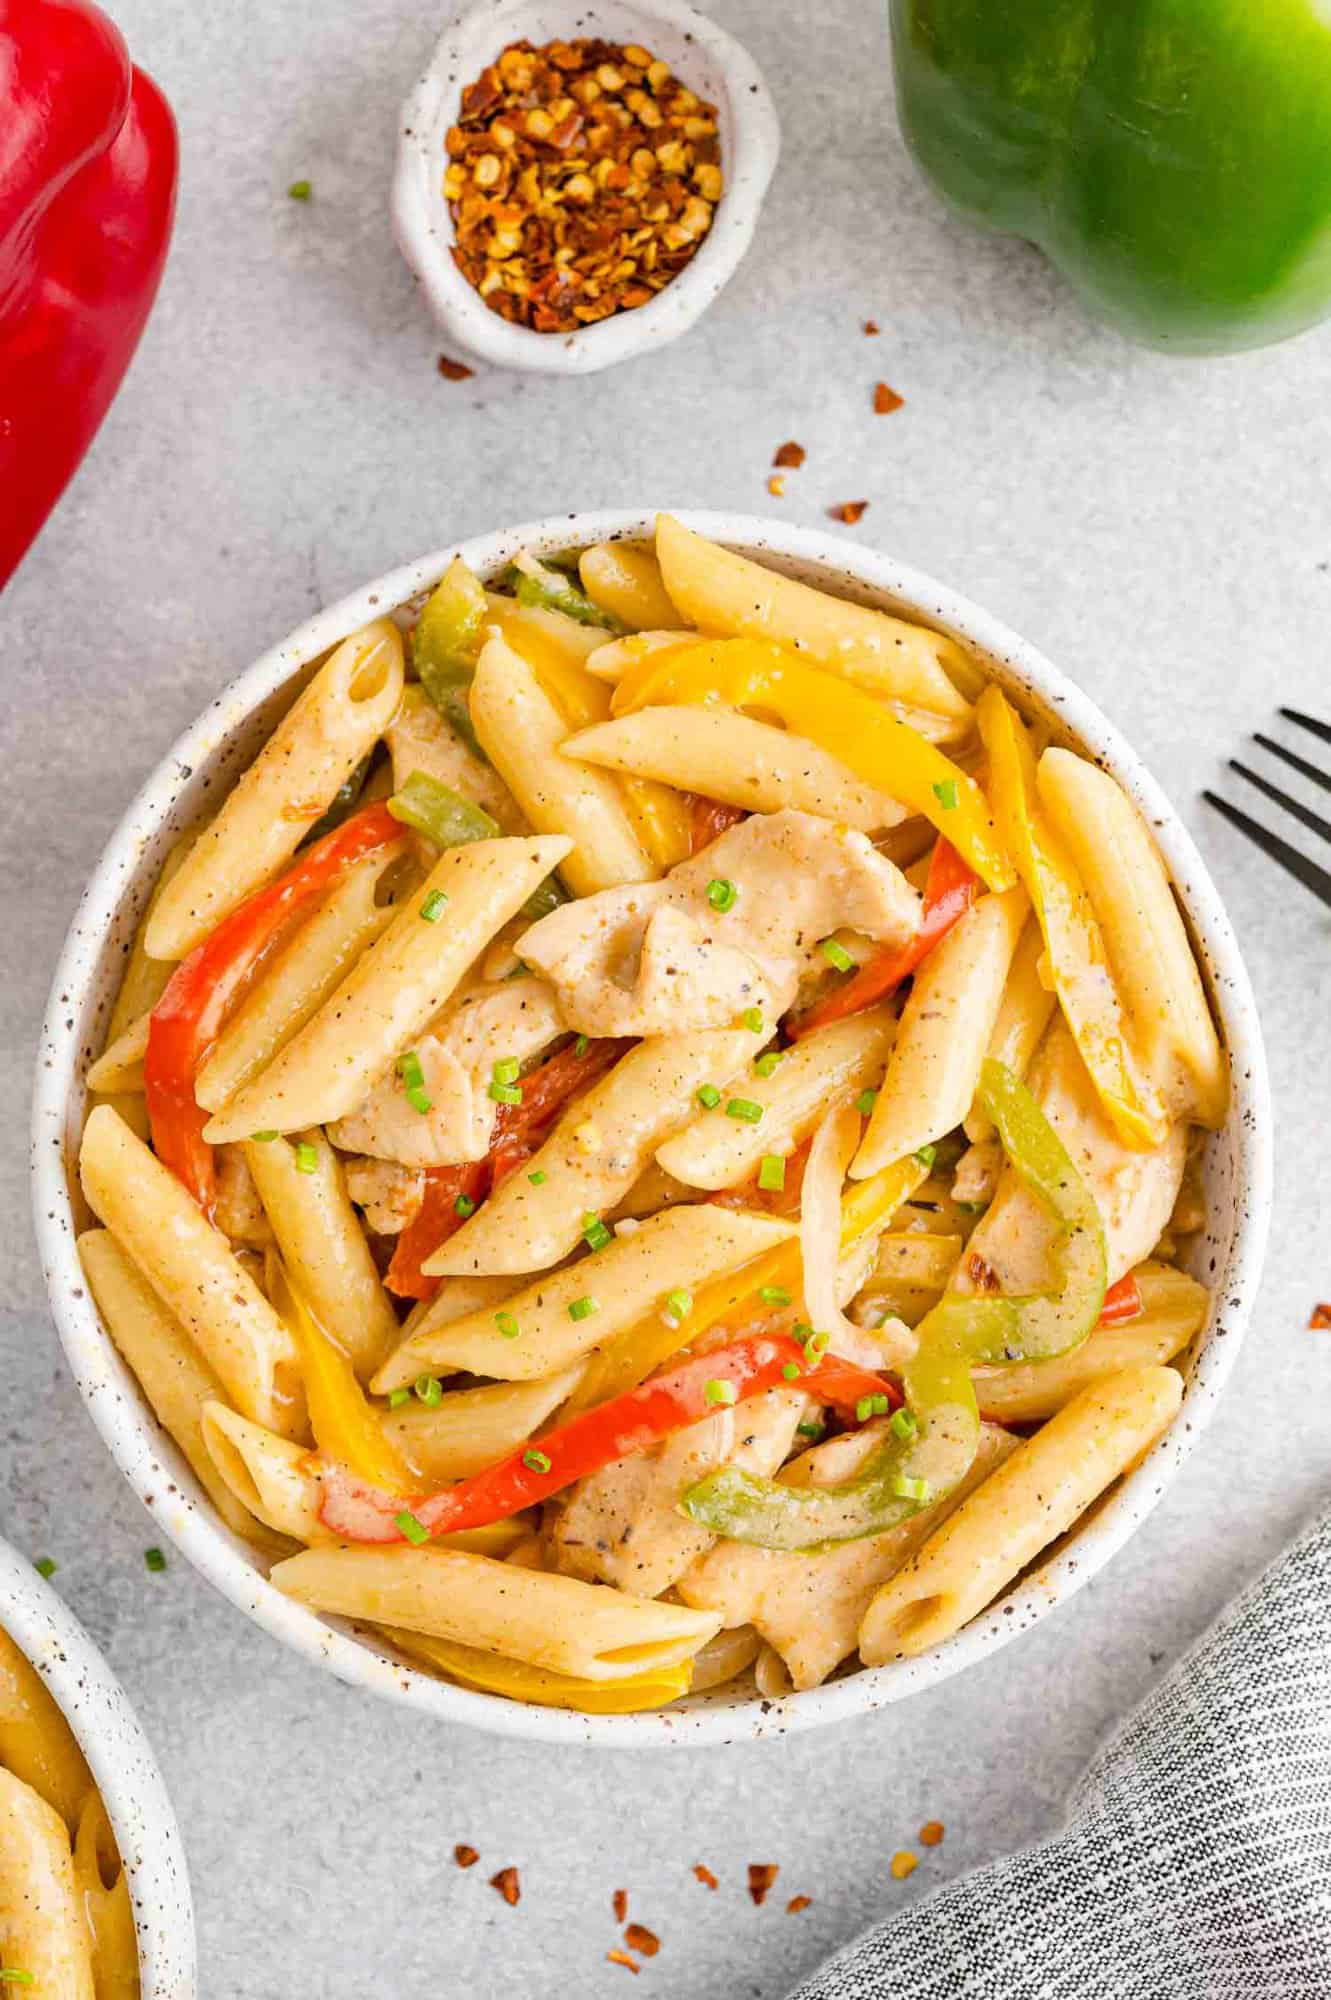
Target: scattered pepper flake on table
pixel 620 1904
pixel 1321 1317
pixel 790 455
pixel 776 485
pixel 466 1857
pixel 582 176
pixel 640 1939
pixel 871 326
pixel 904 1863
pixel 454 371
pixel 622 1958
pixel 796 1904
pixel 886 399
pixel 705 1876
pixel 762 1875
pixel 849 511
pixel 931 1833
pixel 508 1885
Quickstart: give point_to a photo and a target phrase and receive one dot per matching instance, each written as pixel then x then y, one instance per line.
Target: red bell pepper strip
pixel 1123 1302
pixel 205 986
pixel 949 891
pixel 87 195
pixel 626 1424
pixel 433 1223
pixel 709 820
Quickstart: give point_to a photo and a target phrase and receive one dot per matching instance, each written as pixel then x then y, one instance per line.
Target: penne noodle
pixel 119 1068
pixel 715 1151
pixel 267 1475
pixel 473 1428
pixel 145 978
pixel 103 1896
pixel 945 1030
pixel 36 1743
pixel 550 1621
pixel 1049 1481
pixel 419 739
pixel 42 1932
pixel 291 783
pixel 724 754
pixel 522 732
pixel 1023 1015
pixel 732 597
pixel 193 1271
pixel 290 990
pixel 391 992
pixel 323 1245
pixel 624 578
pixel 612 661
pixel 561 1316
pixel 1152 961
pixel 598 1150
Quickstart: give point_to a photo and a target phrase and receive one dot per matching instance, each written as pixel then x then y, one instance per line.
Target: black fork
pixel 1310 873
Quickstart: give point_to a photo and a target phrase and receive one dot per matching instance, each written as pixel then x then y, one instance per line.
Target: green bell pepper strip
pixel 962 1332
pixel 449 820
pixel 534 584
pixel 446 643
pixel 1172 158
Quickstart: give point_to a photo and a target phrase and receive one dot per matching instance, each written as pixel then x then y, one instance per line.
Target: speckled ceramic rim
pixel 95 1706
pixel 1239 1165
pixel 709 60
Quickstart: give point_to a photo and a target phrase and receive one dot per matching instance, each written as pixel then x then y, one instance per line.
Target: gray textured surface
pixel 1160 528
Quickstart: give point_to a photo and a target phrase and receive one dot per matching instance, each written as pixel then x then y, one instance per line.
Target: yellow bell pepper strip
pixel 1078 963
pixel 634 1354
pixel 931 1442
pixel 446 645
pixel 491 1673
pixel 345 1425
pixel 845 720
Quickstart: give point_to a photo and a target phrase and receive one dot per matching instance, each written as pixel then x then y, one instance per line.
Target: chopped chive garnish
pixel 581 1046
pixel 504 1093
pixel 14 1975
pixel 810 1429
pixel 865 1102
pixel 583 1308
pixel 881 1406
pixel 836 954
pixel 910 1489
pixel 774 1295
pixel 771 1173
pixel 464 1206
pixel 507 1325
pixel 722 893
pixel 264 1138
pixel 154 1560
pixel 792 1371
pixel 307 1158
pixel 678 1306
pixel 535 1461
pixel 926 1155
pixel 972 1207
pixel 415 1531
pixel 946 794
pixel 421 1101
pixel 903 1424
pixel 594 1232
pixel 709 1097
pixel 539 1178
pixel 429 1390
pixel 397 1397
pixel 817 1345
pixel 507 1071
pixel 752 1019
pixel 413 1081
pixel 864 1409
pixel 301 190
pixel 802 1332
pixel 45 1567
pixel 745 1109
pixel 433 906
pixel 767 1064
pixel 719 1392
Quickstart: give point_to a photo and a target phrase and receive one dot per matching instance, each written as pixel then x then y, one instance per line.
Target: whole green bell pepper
pixel 1173 157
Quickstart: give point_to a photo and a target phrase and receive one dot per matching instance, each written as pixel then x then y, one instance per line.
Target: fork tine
pixel 1321 729
pixel 1299 764
pixel 1313 821
pixel 1305 871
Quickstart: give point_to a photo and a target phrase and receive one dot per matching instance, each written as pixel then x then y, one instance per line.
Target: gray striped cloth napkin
pixel 1196 1859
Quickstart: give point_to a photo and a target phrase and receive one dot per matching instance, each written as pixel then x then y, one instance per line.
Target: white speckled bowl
pixel 211 754
pixel 710 61
pixel 93 1703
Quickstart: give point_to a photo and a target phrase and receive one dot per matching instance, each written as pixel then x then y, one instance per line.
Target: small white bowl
pixel 212 754
pixel 96 1708
pixel 704 56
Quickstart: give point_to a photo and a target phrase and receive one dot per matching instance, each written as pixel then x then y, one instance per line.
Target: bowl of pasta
pixel 94 1897
pixel 651 1132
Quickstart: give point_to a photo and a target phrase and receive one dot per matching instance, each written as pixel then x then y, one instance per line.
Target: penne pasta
pixel 119 1068
pixel 523 733
pixel 42 1931
pixel 102 1891
pixel 1047 1483
pixel 561 1316
pixel 391 992
pixel 36 1743
pixel 716 1151
pixel 472 1428
pixel 624 578
pixel 945 1030
pixel 313 751
pixel 266 1475
pixel 193 1271
pixel 551 1621
pixel 1023 1015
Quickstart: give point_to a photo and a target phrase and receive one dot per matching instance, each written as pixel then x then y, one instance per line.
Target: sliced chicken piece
pixel 808 1607
pixel 659 958
pixel 387 1195
pixel 240 1213
pixel 516 1020
pixel 622 1525
pixel 1134 1191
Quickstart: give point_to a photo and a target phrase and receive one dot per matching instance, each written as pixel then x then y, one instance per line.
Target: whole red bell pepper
pixel 87 195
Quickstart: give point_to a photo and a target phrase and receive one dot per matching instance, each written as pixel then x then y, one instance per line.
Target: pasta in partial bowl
pixel 651 1132
pixel 94 1897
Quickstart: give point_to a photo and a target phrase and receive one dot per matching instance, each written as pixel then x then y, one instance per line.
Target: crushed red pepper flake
pixel 849 511
pixel 931 1833
pixel 638 1938
pixel 776 485
pixel 622 1958
pixel 790 455
pixel 466 1857
pixel 1321 1317
pixel 619 1903
pixel 705 1876
pixel 762 1874
pixel 454 371
pixel 871 326
pixel 581 178
pixel 796 1904
pixel 904 1863
pixel 886 399
pixel 508 1885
